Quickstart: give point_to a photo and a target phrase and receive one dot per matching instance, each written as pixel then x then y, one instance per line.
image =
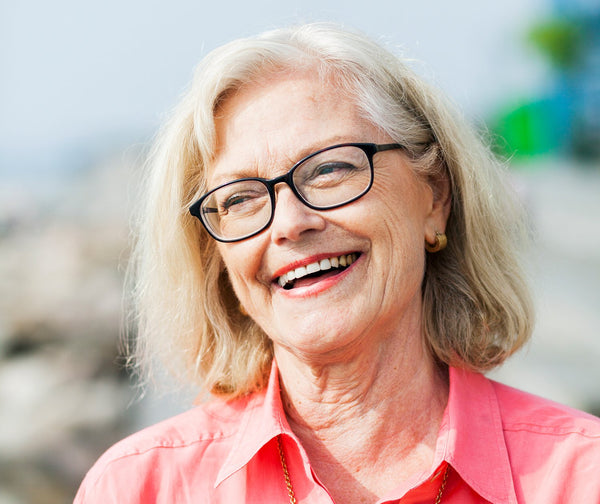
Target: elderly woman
pixel 330 251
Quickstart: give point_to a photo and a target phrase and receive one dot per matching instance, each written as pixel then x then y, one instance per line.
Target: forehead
pixel 267 126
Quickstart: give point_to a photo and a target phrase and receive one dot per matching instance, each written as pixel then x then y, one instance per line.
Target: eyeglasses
pixel 326 179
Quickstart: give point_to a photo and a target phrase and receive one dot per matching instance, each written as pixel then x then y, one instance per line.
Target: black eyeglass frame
pixel 370 149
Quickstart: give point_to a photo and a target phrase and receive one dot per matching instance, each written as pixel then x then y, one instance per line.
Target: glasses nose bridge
pixel 286 178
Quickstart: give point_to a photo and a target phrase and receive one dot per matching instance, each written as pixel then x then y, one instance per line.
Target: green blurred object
pixel 529 129
pixel 561 40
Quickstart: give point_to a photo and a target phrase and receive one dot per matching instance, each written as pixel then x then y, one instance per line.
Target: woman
pixel 345 271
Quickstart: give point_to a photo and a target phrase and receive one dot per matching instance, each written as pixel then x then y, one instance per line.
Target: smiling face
pixel 323 283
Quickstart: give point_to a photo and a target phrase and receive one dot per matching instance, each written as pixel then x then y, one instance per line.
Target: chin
pixel 311 337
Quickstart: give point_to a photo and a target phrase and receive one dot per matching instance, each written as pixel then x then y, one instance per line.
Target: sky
pixel 80 77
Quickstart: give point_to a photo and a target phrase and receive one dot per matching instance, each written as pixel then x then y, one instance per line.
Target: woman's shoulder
pixel 554 450
pixel 139 462
pixel 204 423
pixel 528 412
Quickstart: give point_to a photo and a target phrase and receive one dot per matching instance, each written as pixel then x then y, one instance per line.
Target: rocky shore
pixel 63 395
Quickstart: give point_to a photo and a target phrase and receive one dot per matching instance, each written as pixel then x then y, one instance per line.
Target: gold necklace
pixel 290 489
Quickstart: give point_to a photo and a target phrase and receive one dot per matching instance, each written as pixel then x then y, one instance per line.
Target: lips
pixel 328 265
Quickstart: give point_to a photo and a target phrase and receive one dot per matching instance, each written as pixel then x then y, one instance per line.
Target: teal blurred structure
pixel 565 119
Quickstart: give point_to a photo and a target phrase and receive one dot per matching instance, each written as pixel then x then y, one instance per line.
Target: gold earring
pixel 242 310
pixel 440 243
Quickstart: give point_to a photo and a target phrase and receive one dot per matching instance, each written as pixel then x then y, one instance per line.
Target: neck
pixel 346 414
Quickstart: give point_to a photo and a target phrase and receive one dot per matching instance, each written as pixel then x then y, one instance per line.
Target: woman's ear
pixel 442 200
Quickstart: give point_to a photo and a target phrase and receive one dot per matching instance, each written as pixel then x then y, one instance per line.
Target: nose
pixel 292 218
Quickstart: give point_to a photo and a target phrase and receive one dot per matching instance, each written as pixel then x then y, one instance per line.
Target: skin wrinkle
pixel 351 357
pixel 360 414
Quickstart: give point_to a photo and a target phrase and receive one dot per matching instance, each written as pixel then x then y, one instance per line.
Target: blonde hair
pixel 476 306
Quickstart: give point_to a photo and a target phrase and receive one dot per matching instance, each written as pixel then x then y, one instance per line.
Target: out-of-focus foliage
pixel 560 40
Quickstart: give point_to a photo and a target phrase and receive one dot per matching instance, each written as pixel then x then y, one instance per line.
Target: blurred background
pixel 83 88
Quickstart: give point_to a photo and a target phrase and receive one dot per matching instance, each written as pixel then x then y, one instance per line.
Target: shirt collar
pixel 471 437
pixel 263 419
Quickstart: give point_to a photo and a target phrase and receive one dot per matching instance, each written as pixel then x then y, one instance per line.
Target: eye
pixel 236 199
pixel 330 168
pixel 328 173
pixel 231 201
pixel 241 201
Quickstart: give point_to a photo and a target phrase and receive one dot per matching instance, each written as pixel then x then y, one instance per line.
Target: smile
pixel 315 269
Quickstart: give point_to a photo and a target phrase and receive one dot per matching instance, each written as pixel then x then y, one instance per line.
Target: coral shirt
pixel 502 445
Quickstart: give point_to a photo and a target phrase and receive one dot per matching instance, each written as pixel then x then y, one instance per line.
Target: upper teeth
pixel 322 265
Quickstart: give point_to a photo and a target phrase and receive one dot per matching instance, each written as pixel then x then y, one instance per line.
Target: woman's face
pixel 262 131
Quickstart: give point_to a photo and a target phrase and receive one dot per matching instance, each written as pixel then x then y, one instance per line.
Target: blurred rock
pixel 561 362
pixel 63 395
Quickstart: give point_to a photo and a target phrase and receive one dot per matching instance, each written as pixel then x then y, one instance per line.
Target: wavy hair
pixel 476 305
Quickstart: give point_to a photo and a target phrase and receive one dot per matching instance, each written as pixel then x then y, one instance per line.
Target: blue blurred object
pixel 566 120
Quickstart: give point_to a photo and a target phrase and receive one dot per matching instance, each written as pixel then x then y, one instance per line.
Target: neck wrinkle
pixel 384 394
pixel 379 430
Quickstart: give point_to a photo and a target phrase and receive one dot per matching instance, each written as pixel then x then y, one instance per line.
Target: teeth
pixel 312 268
pixel 322 265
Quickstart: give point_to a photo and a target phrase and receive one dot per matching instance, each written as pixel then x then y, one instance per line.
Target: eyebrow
pixel 241 173
pixel 250 171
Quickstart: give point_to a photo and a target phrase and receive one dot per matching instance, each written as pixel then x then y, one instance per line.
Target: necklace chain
pixel 290 489
pixel 286 474
pixel 438 499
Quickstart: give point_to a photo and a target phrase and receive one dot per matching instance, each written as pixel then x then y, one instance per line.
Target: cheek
pixel 404 203
pixel 397 229
pixel 242 261
pixel 400 212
